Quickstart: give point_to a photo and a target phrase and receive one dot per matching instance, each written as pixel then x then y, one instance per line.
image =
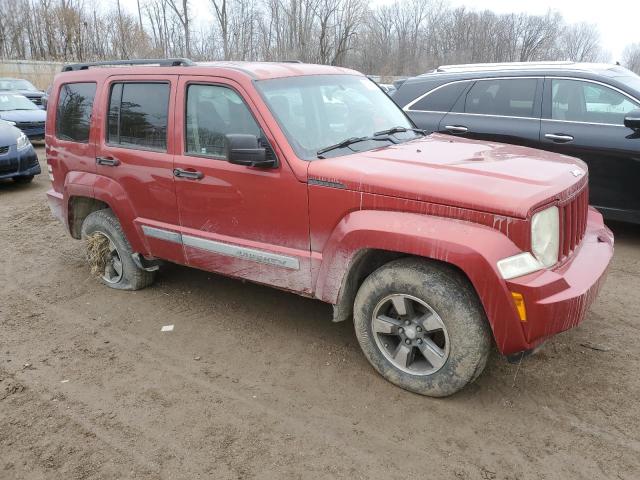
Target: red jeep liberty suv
pixel 309 178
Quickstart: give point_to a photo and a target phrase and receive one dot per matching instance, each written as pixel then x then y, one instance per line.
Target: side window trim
pixel 123 81
pixel 458 107
pixel 547 99
pixel 184 150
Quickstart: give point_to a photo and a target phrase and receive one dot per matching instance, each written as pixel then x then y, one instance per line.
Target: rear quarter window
pixel 73 113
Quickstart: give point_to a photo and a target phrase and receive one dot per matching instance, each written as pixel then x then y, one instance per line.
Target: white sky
pixel 618 20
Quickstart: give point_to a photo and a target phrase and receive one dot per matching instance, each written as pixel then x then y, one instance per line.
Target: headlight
pixel 545 236
pixel 23 142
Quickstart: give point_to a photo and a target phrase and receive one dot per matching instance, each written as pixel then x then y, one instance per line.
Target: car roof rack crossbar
pixel 162 62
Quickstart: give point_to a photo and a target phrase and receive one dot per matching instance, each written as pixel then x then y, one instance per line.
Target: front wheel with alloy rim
pixel 109 253
pixel 422 327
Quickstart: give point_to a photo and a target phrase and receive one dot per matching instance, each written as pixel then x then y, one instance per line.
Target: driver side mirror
pixel 632 120
pixel 243 149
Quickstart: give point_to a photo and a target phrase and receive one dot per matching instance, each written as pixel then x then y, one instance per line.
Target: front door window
pixel 214 111
pixel 578 101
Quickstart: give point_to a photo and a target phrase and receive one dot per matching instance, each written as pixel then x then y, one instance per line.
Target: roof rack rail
pixel 162 62
pixel 502 66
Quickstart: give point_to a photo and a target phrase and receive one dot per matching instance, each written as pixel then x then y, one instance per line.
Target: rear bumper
pixel 557 300
pixel 56 205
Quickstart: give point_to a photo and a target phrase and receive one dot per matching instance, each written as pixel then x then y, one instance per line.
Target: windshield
pixel 10 84
pixel 318 111
pixel 15 102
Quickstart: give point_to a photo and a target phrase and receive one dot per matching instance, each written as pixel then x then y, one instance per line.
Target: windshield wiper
pixel 377 136
pixel 344 143
pixel 393 130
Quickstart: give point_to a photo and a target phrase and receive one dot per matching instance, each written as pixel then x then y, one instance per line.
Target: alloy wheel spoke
pixel 109 271
pixel 402 305
pixel 385 324
pixel 432 353
pixel 402 355
pixel 430 322
pixel 117 266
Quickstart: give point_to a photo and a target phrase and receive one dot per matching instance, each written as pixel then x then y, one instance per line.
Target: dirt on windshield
pixel 253 382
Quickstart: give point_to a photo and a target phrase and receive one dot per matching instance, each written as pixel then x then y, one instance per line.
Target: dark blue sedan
pixel 18 159
pixel 23 113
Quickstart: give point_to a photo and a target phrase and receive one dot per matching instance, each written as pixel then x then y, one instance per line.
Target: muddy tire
pixel 109 253
pixel 422 327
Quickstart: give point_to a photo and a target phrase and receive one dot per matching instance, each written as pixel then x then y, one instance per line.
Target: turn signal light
pixel 518 299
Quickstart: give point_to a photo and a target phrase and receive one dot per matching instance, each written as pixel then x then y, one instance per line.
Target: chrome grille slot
pixel 573 222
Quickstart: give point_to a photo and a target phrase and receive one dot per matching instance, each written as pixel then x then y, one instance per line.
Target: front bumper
pixel 557 300
pixel 19 164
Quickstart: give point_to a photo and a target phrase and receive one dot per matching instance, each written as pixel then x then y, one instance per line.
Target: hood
pixel 24 115
pixel 8 134
pixel 484 176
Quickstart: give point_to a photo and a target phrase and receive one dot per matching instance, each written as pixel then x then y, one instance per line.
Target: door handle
pixel 192 174
pixel 457 128
pixel 558 137
pixel 107 161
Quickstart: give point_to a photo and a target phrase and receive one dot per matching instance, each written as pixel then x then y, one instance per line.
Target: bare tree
pixel 631 57
pixel 181 9
pixel 401 38
pixel 581 43
pixel 222 16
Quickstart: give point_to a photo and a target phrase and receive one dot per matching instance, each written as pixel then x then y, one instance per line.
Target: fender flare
pixel 472 248
pixel 108 191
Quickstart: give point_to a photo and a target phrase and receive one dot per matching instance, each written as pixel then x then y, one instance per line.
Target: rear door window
pixel 503 97
pixel 73 115
pixel 441 99
pixel 578 101
pixel 138 115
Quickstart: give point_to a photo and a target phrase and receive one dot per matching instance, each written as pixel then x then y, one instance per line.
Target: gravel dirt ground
pixel 257 383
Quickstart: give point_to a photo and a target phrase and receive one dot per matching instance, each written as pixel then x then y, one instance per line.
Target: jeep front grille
pixel 573 222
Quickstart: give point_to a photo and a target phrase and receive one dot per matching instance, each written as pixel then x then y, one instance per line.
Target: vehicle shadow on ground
pixel 310 319
pixel 8 186
pixel 259 298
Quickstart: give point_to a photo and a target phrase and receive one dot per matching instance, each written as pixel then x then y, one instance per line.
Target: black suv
pixel 589 111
